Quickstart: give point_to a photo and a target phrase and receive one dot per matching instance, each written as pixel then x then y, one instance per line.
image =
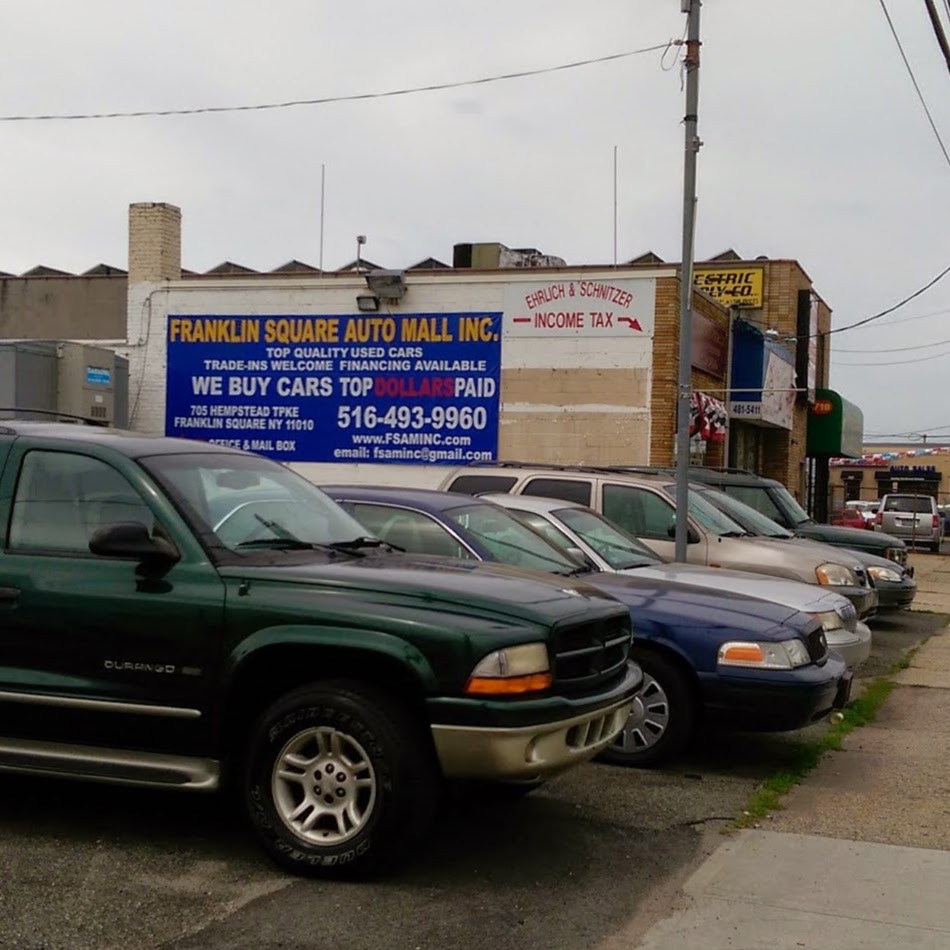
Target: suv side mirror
pixel 691 535
pixel 131 539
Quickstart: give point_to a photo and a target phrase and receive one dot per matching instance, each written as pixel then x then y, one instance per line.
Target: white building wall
pixel 571 404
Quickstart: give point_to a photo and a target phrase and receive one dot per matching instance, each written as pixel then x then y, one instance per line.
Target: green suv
pixel 182 615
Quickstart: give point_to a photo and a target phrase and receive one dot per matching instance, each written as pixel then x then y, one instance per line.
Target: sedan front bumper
pixel 865 599
pixel 776 700
pixel 853 646
pixel 895 595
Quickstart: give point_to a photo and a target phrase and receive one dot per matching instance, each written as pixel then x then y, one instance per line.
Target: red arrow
pixel 632 323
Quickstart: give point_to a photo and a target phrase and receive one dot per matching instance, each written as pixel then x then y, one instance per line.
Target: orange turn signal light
pixel 743 653
pixel 508 685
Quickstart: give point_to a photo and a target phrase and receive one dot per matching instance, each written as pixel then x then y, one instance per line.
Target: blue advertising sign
pixel 101 377
pixel 410 389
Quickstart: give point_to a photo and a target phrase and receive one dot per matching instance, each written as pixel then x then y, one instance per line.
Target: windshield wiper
pixel 282 533
pixel 737 534
pixel 278 544
pixel 363 542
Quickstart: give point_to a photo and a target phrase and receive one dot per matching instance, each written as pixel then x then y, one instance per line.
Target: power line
pixel 897 306
pixel 895 349
pixel 355 97
pixel 919 316
pixel 913 79
pixel 919 359
pixel 938 31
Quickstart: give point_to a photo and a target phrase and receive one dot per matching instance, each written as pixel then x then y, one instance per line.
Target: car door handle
pixel 9 596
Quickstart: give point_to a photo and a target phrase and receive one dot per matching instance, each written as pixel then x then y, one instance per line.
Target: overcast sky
pixel 816 147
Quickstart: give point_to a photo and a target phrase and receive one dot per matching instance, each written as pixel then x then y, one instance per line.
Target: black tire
pixel 381 789
pixel 663 717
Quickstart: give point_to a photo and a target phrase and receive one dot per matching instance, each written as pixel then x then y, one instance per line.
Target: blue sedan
pixel 706 655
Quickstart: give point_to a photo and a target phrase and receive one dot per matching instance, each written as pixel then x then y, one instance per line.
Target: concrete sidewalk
pixel 860 856
pixel 932 573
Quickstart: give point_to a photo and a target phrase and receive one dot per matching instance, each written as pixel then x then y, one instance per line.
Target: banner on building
pixel 407 389
pixel 708 419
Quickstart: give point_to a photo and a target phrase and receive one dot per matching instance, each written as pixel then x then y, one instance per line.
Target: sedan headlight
pixel 829 620
pixel 521 669
pixel 885 574
pixel 785 655
pixel 835 575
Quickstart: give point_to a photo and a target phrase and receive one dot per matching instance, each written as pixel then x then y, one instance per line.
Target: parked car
pixel 775 501
pixel 606 546
pixel 644 506
pixel 867 509
pixel 912 517
pixel 707 655
pixel 895 585
pixel 147 641
pixel 851 518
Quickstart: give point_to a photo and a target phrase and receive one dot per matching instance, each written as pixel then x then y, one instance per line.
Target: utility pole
pixel 685 389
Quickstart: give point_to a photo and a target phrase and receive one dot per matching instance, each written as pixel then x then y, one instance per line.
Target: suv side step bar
pixel 116 766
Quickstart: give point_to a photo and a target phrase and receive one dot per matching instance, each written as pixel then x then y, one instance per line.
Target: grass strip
pixel 859 712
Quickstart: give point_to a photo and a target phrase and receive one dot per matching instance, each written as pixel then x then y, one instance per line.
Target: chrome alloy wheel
pixel 648 720
pixel 324 786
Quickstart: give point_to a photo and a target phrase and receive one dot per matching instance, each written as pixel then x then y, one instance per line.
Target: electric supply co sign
pixel 413 388
pixel 580 308
pixel 732 286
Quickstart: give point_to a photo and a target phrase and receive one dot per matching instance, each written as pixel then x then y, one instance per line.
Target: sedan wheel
pixel 662 718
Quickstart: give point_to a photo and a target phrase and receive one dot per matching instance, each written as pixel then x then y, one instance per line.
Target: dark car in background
pixel 895 584
pixel 775 501
pixel 706 655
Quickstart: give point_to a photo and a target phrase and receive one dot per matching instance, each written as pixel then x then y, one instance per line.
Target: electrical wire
pixel 919 359
pixel 895 435
pixel 355 97
pixel 895 349
pixel 884 313
pixel 913 79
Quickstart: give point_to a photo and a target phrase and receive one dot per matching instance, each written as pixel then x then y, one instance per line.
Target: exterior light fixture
pixel 387 284
pixel 367 303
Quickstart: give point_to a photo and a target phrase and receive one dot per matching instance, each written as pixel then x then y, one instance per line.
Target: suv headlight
pixel 521 669
pixel 836 575
pixel 785 655
pixel 829 620
pixel 885 574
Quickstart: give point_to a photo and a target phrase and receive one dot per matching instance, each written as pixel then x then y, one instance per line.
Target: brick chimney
pixel 154 242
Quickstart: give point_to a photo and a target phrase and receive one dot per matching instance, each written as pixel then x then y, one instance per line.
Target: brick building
pixel 568 388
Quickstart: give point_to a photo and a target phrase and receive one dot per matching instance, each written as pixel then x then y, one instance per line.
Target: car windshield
pixel 615 546
pixel 760 498
pixel 748 517
pixel 242 502
pixel 709 516
pixel 909 504
pixel 509 541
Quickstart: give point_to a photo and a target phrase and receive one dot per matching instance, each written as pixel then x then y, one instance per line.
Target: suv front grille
pixel 586 654
pixel 817 645
pixel 862 576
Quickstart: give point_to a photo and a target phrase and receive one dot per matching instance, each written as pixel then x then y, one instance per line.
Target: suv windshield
pixel 509 541
pixel 748 517
pixel 909 503
pixel 789 513
pixel 709 516
pixel 240 502
pixel 616 547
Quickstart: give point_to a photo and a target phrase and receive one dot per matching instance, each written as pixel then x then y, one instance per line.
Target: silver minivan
pixel 914 518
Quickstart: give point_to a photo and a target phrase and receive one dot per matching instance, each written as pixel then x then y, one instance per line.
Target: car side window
pixel 478 484
pixel 412 530
pixel 567 489
pixel 639 511
pixel 62 498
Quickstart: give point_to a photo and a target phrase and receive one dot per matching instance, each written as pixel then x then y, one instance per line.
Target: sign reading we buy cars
pixel 412 388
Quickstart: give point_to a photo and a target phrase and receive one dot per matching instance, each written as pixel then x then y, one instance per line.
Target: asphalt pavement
pixel 595 859
pixel 859 856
